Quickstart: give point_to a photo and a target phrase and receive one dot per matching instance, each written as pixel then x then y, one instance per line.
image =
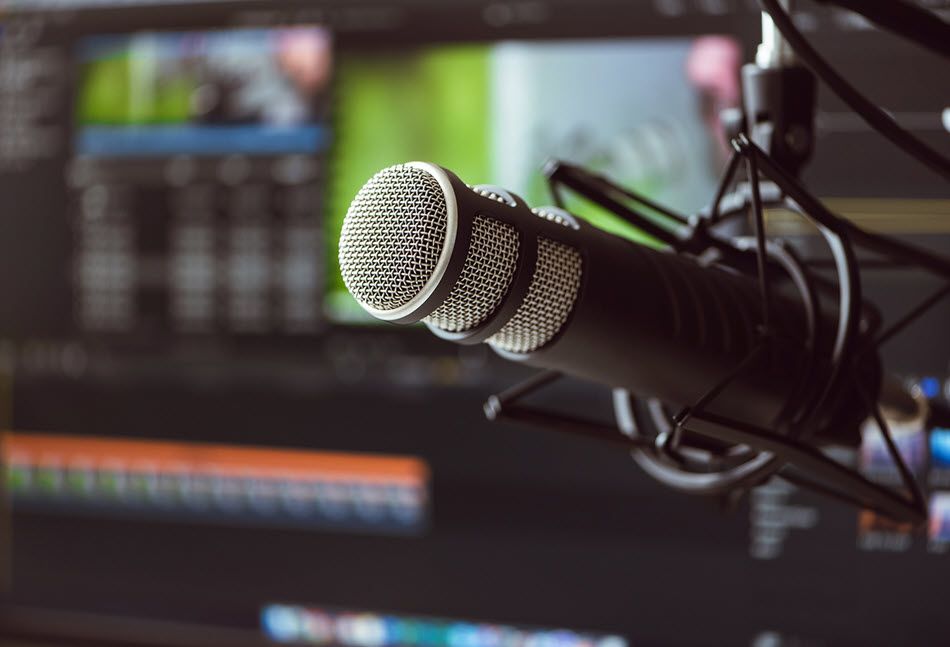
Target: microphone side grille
pixel 392 237
pixel 486 274
pixel 551 295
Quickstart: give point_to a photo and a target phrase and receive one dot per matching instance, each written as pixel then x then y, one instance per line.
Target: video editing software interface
pixel 201 426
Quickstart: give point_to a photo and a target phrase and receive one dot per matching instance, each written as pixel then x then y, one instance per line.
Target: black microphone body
pixel 652 322
pixel 662 325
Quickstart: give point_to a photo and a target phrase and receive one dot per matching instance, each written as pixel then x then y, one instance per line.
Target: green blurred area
pixel 540 194
pixel 428 104
pixel 129 88
pixel 612 223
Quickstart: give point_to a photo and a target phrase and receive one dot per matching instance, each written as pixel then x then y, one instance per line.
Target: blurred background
pixel 207 441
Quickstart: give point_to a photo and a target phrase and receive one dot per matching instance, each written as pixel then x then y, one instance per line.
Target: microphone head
pixel 397 238
pixel 400 234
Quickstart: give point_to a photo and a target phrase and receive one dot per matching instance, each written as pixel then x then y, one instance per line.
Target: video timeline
pixel 218 483
pixel 311 626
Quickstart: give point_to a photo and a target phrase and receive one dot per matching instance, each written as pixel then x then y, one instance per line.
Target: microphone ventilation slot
pixel 551 295
pixel 486 274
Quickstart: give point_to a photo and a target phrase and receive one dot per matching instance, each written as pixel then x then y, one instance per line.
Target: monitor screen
pixel 206 438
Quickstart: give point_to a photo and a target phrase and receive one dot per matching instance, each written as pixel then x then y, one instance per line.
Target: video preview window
pixel 251 91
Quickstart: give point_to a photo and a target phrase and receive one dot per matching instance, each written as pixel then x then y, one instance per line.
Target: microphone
pixel 545 288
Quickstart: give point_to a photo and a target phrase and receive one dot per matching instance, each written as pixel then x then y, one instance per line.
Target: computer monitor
pixel 208 440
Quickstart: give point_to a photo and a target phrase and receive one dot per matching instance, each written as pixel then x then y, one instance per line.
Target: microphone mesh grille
pixel 551 295
pixel 486 274
pixel 392 237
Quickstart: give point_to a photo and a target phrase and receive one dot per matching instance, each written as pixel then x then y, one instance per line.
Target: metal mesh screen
pixel 485 277
pixel 392 237
pixel 551 296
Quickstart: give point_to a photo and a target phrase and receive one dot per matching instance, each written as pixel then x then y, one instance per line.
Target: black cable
pixel 873 115
pixel 904 19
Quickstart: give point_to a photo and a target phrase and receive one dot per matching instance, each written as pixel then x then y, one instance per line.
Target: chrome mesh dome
pixel 393 236
pixel 551 295
pixel 486 274
pixel 395 245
